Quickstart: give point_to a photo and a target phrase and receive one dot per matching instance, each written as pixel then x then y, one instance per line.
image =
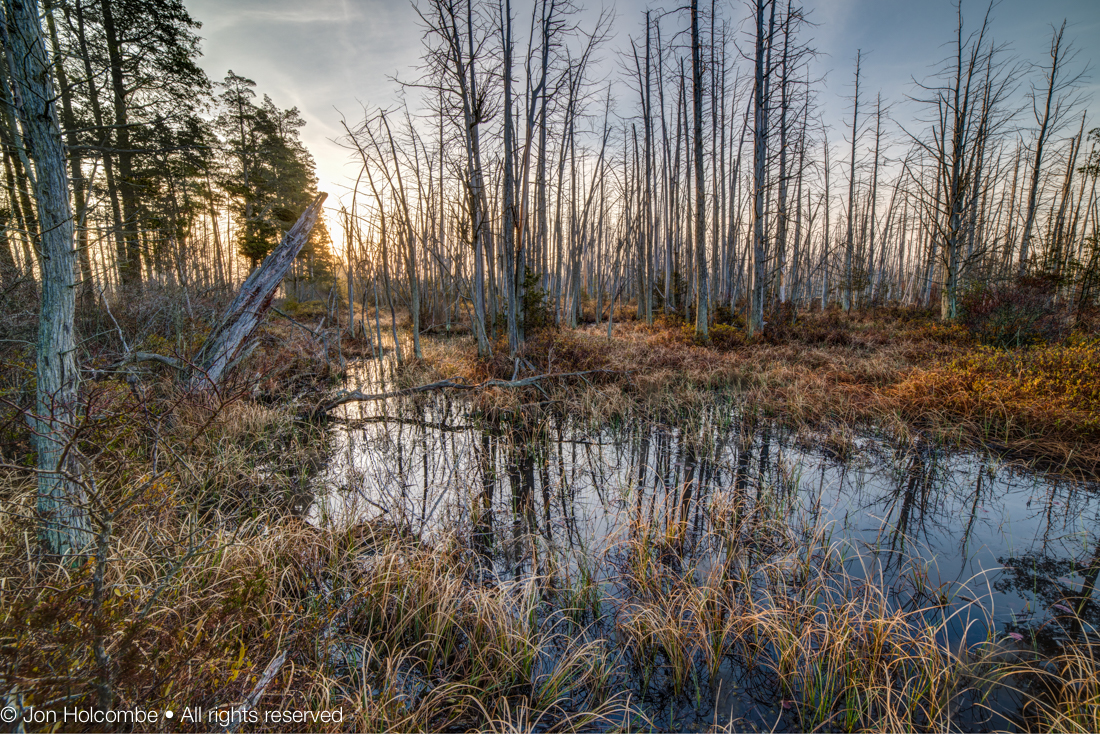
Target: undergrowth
pixel 204 574
pixel 896 370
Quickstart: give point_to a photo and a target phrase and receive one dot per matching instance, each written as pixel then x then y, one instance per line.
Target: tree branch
pixel 355 396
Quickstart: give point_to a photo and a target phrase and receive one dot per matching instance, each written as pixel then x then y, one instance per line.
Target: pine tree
pixel 269 175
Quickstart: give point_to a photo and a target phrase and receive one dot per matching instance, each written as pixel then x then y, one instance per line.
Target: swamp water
pixel 988 551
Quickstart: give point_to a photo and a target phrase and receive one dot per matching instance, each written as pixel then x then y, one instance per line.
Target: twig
pixel 297 323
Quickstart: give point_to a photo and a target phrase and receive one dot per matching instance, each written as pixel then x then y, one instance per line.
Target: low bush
pixel 1045 399
pixel 725 337
pixel 729 316
pixel 537 313
pixel 1019 314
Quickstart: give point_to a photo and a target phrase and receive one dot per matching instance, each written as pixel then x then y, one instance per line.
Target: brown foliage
pixel 895 368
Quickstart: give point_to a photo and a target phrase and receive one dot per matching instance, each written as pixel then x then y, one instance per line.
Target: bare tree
pixel 849 245
pixel 1057 102
pixel 452 58
pixel 62 496
pixel 702 290
pixel 760 162
pixel 969 107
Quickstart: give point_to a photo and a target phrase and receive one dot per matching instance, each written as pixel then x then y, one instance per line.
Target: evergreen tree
pixel 269 173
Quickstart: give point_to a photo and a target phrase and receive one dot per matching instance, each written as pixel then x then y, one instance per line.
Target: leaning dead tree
pixel 231 339
pixel 712 198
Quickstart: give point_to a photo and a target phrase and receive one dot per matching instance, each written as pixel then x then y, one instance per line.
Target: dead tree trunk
pixel 760 162
pixel 227 343
pixel 1047 121
pixel 848 244
pixel 702 293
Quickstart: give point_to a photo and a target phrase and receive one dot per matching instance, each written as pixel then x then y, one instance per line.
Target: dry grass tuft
pixel 1043 401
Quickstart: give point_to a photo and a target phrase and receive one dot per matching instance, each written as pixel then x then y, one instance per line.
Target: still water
pixel 1003 549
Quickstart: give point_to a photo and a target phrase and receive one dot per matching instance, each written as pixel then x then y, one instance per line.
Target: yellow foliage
pixel 1046 393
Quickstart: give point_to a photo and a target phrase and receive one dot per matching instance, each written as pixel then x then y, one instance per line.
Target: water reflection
pixel 556 498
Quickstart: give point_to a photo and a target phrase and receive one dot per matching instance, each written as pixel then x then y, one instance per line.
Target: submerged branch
pixel 355 396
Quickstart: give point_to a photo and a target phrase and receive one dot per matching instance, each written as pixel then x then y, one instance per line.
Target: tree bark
pixel 228 340
pixel 86 290
pixel 62 499
pixel 849 245
pixel 702 293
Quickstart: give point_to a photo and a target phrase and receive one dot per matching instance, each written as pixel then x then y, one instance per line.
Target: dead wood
pixel 229 340
pixel 356 396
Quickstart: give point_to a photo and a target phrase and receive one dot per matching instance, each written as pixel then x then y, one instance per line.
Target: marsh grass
pixel 1044 400
pixel 399 635
pixel 194 598
pixel 893 370
pixel 840 651
pixel 204 572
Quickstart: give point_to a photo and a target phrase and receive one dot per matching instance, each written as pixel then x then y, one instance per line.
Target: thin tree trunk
pixel 1044 129
pixel 702 294
pixel 849 245
pixel 130 268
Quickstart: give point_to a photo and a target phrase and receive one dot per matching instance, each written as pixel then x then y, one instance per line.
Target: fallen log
pixel 139 357
pixel 228 342
pixel 356 396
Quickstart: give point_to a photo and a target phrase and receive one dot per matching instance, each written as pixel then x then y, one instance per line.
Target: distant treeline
pixel 516 194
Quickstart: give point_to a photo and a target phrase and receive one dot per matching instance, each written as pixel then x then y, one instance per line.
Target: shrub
pixel 723 336
pixel 729 316
pixel 305 309
pixel 1024 313
pixel 830 329
pixel 537 313
pixel 781 324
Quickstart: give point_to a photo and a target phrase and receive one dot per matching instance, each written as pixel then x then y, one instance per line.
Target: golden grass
pixel 839 650
pixel 396 635
pixel 1068 687
pixel 1045 400
pixel 828 370
pixel 203 576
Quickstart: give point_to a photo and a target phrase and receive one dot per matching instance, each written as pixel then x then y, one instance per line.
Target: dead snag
pixel 229 340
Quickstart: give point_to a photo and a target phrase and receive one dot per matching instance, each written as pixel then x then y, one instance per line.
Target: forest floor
pixel 204 576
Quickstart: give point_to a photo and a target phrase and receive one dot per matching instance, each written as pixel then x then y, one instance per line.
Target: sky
pixel 330 58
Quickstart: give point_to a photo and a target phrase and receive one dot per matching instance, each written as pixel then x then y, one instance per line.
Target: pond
pixel 995 552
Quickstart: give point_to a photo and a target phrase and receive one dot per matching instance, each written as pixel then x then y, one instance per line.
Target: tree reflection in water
pixel 570 505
